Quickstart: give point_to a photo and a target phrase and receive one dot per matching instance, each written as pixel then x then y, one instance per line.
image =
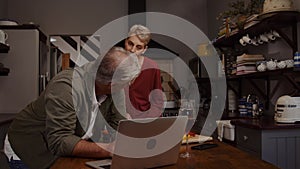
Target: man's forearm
pixel 89 149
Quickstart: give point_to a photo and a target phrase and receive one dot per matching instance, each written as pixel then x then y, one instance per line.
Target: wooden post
pixel 65 61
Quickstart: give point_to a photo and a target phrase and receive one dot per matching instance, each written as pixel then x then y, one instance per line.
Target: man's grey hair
pixel 142 32
pixel 114 67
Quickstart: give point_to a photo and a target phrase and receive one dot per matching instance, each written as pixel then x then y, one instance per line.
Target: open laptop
pixel 145 143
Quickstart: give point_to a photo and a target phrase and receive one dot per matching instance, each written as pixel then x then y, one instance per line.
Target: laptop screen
pixel 146 143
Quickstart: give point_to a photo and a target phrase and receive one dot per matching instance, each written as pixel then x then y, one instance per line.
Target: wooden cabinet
pixel 277 146
pixel 249 140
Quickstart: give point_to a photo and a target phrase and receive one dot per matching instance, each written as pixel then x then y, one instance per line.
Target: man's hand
pixel 110 147
pixel 93 150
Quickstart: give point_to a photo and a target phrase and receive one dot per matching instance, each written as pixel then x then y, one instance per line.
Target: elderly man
pixel 65 119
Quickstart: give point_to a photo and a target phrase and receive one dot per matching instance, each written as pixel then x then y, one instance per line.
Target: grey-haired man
pixel 62 121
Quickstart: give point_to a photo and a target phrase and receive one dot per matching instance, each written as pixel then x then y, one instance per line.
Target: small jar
pixel 297 60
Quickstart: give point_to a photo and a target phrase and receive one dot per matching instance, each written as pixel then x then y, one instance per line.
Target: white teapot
pixel 271 65
pixel 281 64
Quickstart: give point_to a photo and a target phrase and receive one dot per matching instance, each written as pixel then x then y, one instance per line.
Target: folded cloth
pixel 220 124
pixel 197 139
pixel 220 129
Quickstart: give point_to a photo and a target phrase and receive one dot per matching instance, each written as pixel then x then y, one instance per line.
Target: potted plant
pixel 239 11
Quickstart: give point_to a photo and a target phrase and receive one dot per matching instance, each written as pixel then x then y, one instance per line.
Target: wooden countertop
pixel 264 123
pixel 223 156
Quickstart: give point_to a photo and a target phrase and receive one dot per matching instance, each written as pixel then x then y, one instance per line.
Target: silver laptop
pixel 145 143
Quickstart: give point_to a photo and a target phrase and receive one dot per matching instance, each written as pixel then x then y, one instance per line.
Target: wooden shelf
pixel 258 75
pixel 267 22
pixel 4 48
pixel 43 37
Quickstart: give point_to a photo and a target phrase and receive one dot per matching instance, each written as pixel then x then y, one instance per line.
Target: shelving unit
pixel 261 141
pixel 4 72
pixel 271 73
pixel 4 49
pixel 270 21
pixel 267 22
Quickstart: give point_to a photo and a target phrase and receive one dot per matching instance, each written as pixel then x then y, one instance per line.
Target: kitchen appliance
pixel 197 67
pixel 287 109
pixel 225 130
pixel 28 64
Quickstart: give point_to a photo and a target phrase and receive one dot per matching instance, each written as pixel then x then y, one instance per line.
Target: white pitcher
pixel 3 36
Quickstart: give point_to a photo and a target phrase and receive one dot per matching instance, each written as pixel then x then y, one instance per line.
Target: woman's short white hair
pixel 114 67
pixel 142 32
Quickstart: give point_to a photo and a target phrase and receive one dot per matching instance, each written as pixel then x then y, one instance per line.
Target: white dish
pixel 8 23
pixel 197 139
pixel 170 104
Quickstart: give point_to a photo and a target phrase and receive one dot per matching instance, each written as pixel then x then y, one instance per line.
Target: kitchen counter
pixel 222 156
pixel 263 123
pixel 277 143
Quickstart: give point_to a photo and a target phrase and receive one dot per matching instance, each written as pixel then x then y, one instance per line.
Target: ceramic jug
pixel 3 36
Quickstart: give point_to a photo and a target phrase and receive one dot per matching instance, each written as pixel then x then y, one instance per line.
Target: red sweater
pixel 141 103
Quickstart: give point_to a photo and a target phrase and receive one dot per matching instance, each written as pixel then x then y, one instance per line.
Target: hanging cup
pixel 247 39
pixel 242 42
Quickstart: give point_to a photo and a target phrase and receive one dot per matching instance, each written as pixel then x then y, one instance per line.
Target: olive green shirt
pixel 52 125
